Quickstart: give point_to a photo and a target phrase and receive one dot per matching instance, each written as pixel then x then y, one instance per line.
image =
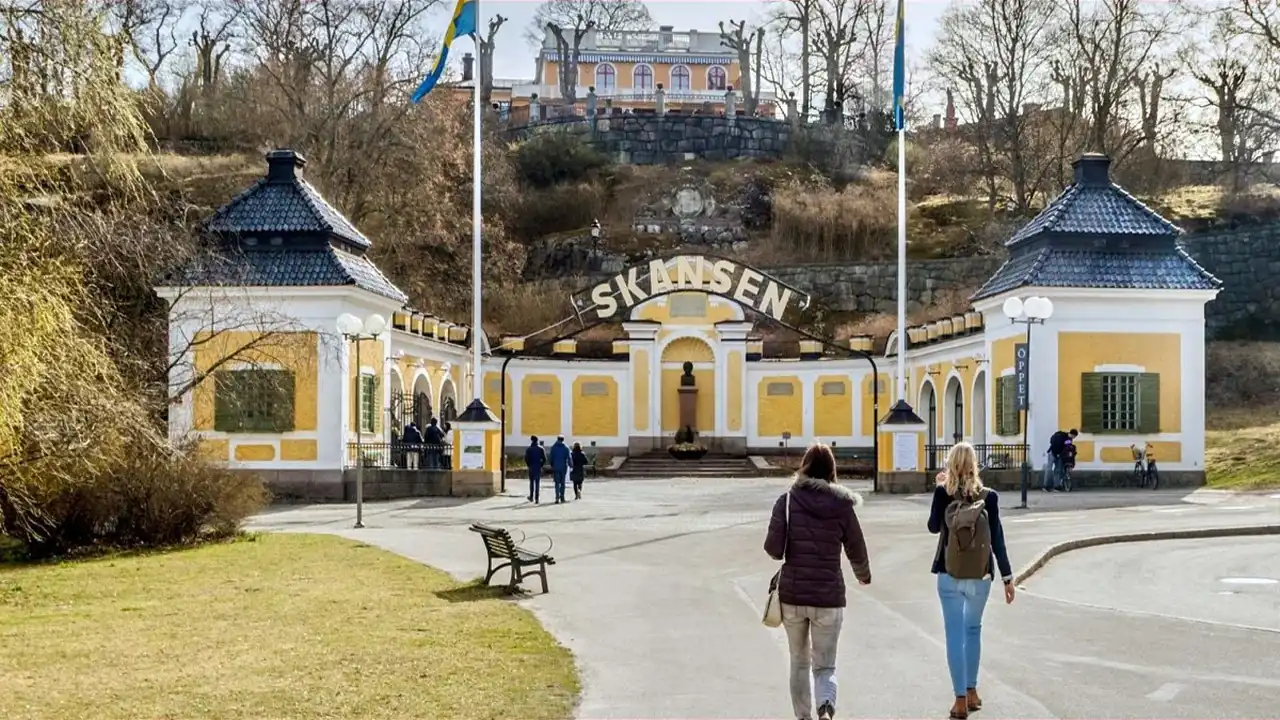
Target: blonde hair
pixel 961 477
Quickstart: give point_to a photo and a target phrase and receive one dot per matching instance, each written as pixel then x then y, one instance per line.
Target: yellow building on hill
pixel 627 68
pixel 267 384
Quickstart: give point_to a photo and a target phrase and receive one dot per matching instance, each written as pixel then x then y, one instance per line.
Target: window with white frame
pixel 1120 401
pixel 642 77
pixel 606 77
pixel 680 78
pixel 717 79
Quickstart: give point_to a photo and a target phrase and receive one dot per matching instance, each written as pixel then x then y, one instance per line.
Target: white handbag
pixel 773 606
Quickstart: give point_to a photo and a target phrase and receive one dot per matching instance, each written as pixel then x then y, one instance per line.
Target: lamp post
pixel 356 330
pixel 1029 312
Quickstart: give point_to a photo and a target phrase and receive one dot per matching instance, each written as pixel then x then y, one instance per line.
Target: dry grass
pixel 946 304
pixel 1242 446
pixel 279 626
pixel 528 307
pixel 816 224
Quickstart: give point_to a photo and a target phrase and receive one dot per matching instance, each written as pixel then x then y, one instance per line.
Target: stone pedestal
pixel 688 408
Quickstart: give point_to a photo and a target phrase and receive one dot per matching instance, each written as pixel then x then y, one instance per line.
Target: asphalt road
pixel 659 584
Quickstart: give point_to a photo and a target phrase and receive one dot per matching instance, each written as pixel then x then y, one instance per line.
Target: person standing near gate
pixel 534 458
pixel 412 439
pixel 434 439
pixel 560 464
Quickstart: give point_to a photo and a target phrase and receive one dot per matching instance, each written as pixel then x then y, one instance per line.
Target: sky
pixel 514 57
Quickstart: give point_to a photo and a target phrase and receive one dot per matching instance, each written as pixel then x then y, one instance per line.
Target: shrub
pixel 555 157
pixel 820 224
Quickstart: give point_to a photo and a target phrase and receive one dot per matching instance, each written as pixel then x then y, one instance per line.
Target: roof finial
pixel 284 165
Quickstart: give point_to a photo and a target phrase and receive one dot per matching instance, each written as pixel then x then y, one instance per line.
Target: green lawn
pixel 1243 458
pixel 273 626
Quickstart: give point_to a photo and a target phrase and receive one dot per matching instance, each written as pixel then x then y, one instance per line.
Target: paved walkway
pixel 658 586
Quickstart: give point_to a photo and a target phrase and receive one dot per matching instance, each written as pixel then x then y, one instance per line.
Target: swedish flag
pixel 900 73
pixel 463 23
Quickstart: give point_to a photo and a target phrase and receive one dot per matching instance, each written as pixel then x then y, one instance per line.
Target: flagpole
pixel 902 263
pixel 477 375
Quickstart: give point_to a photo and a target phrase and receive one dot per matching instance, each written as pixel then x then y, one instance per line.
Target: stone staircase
pixel 659 464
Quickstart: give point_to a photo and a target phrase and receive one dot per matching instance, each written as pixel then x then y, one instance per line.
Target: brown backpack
pixel 968 551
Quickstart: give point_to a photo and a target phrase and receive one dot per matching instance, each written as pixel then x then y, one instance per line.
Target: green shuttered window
pixel 1008 420
pixel 253 401
pixel 1120 403
pixel 368 404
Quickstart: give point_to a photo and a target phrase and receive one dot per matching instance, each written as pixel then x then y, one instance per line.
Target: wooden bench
pixel 499 545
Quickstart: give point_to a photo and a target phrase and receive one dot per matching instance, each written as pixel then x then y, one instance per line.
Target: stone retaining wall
pixel 1247 261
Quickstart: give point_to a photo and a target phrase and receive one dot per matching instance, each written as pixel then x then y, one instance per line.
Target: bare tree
pixel 1114 40
pixel 877 34
pixel 152 28
pixel 795 17
pixel 836 23
pixel 486 58
pixel 739 40
pixel 569 21
pixel 996 52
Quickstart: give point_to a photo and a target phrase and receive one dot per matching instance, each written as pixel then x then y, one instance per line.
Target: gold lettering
pixel 606 305
pixel 747 287
pixel 721 277
pixel 774 300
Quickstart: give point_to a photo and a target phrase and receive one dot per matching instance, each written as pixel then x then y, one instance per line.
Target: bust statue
pixel 687 380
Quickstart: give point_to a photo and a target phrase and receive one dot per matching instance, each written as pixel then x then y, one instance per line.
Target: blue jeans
pixel 535 477
pixel 1053 472
pixel 559 476
pixel 962 604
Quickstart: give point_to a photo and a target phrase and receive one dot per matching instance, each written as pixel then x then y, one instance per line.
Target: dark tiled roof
pixel 1087 209
pixel 288 205
pixel 290 267
pixel 1051 267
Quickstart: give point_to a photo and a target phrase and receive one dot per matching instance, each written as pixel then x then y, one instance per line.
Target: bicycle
pixel 1145 473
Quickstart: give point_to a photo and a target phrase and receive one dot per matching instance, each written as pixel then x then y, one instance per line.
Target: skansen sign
pixel 745 285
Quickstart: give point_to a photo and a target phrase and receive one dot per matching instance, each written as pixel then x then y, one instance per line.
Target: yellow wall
pixel 868 400
pixel 733 406
pixel 716 313
pixel 640 388
pixel 624 79
pixel 255 453
pixel 1080 353
pixel 595 415
pixel 776 414
pixel 370 357
pixel 1001 360
pixel 297 449
pixel 706 407
pixel 833 414
pixel 213 450
pixel 291 351
pixel 1123 454
pixel 540 414
pixel 491 394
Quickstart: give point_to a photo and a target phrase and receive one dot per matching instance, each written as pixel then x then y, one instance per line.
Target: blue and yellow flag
pixel 463 23
pixel 900 73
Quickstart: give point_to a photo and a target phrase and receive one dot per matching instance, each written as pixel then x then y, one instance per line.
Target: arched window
pixel 606 77
pixel 642 78
pixel 680 78
pixel 717 79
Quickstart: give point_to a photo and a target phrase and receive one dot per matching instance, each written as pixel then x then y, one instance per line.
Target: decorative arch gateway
pixel 625 297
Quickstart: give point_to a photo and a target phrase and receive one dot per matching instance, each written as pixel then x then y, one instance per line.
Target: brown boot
pixel 960 709
pixel 974 702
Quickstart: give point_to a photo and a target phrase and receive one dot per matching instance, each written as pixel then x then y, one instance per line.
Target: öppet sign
pixel 743 284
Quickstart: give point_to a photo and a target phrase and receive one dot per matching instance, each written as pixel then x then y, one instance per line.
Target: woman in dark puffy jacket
pixel 812 525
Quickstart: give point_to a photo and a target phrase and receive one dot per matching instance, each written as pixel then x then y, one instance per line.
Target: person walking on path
pixel 966 517
pixel 813 523
pixel 578 469
pixel 534 459
pixel 1055 463
pixel 560 463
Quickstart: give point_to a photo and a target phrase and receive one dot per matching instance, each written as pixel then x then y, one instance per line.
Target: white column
pixel 566 402
pixel 1193 400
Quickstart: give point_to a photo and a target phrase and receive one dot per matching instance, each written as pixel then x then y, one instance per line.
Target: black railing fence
pixel 990 457
pixel 406 456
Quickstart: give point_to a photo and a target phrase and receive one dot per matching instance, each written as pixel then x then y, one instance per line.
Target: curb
pixel 1055 550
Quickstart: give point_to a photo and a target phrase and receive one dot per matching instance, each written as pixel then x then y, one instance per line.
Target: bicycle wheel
pixel 1066 480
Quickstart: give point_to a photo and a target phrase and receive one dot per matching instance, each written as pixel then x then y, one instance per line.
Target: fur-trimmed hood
pixel 808 483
